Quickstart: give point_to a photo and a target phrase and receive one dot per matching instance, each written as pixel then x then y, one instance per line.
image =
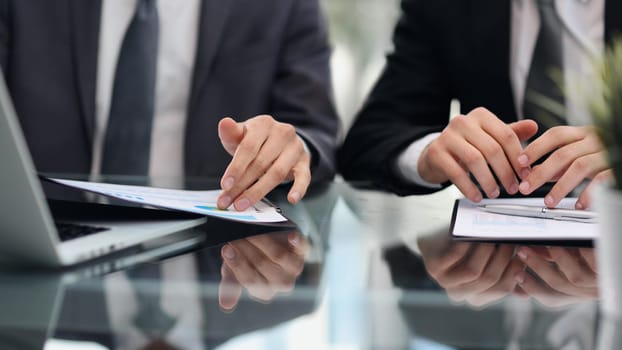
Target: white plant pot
pixel 608 203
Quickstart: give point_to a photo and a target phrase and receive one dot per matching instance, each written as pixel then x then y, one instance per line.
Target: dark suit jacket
pixel 444 50
pixel 253 57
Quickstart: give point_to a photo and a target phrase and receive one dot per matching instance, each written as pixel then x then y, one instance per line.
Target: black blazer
pixel 253 57
pixel 444 50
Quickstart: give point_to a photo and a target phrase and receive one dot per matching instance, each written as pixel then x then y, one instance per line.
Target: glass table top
pixel 363 270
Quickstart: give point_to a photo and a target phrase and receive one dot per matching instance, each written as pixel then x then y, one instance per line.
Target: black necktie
pixel 128 136
pixel 544 99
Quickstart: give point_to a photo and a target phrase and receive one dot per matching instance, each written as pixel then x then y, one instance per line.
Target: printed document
pixel 199 202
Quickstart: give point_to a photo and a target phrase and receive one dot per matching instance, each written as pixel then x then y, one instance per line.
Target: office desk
pixel 364 281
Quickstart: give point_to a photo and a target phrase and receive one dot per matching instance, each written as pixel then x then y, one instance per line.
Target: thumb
pixel 230 133
pixel 524 129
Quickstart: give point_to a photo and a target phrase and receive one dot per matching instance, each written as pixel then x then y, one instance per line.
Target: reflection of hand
pixel 265 265
pixel 265 153
pixel 477 143
pixel 559 276
pixel 476 273
pixel 577 155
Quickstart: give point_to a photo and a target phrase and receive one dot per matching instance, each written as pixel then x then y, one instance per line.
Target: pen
pixel 541 212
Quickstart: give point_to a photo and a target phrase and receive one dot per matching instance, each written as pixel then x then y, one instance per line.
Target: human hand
pixel 265 265
pixel 478 274
pixel 564 275
pixel 265 153
pixel 577 155
pixel 474 144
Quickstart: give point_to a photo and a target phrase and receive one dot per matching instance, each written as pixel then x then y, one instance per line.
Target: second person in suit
pixel 496 58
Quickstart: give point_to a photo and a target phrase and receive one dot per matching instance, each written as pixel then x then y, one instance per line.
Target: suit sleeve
pixel 410 100
pixel 302 93
pixel 4 35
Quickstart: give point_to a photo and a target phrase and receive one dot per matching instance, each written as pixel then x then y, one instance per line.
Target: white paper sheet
pixel 472 222
pixel 199 202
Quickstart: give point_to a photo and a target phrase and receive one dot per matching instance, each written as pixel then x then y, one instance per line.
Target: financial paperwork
pixel 471 222
pixel 199 202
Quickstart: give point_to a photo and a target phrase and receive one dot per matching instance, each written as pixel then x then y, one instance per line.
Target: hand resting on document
pixel 265 154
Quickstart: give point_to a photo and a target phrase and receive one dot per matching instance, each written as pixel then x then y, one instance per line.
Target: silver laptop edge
pixel 27 228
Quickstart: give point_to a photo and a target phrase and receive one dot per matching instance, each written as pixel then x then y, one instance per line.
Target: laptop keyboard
pixel 68 232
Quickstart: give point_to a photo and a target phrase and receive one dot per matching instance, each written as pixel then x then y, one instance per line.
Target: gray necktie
pixel 128 136
pixel 544 99
pixel 150 318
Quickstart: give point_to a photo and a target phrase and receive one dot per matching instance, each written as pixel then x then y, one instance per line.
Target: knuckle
pixel 286 131
pixel 261 163
pixel 487 278
pixel 493 151
pixel 247 146
pixel 459 122
pixel 472 158
pixel 556 132
pixel 480 111
pixel 263 265
pixel 576 279
pixel 434 149
pixel 265 118
pixel 581 165
pixel 507 136
pixel 280 172
pixel 471 272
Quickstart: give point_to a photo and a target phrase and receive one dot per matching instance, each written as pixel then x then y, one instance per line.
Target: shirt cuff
pixel 408 160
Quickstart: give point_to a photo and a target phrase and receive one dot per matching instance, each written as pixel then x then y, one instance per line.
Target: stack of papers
pixel 199 202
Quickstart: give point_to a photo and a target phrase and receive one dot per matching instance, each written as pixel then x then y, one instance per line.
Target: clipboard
pixel 470 224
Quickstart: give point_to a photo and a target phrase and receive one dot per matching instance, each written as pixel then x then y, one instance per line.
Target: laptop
pixel 28 230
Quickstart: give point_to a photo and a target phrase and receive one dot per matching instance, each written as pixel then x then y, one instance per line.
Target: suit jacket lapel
pixel 85 17
pixel 214 14
pixel 489 23
pixel 613 19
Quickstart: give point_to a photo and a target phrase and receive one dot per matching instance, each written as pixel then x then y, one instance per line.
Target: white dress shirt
pixel 583 38
pixel 179 21
pixel 180 298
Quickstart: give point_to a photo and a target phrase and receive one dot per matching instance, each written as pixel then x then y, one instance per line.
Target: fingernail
pixel 495 193
pixel 520 277
pixel 548 200
pixel 525 173
pixel 524 187
pixel 243 204
pixel 296 196
pixel 522 254
pixel 224 202
pixel 227 184
pixel 228 252
pixel 293 240
pixel 477 198
pixel 523 160
pixel 578 206
pixel 513 188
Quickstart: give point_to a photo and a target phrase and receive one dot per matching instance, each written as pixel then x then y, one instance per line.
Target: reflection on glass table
pixel 192 300
pixel 501 296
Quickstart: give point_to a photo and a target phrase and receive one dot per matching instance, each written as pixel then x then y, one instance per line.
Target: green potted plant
pixel 606 108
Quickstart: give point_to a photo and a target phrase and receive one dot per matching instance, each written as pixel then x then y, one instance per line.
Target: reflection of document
pixel 200 202
pixel 471 223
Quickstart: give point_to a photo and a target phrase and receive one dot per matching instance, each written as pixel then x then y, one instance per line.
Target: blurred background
pixel 360 34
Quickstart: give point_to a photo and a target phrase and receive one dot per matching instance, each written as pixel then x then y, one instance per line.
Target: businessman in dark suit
pixel 70 64
pixel 495 57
